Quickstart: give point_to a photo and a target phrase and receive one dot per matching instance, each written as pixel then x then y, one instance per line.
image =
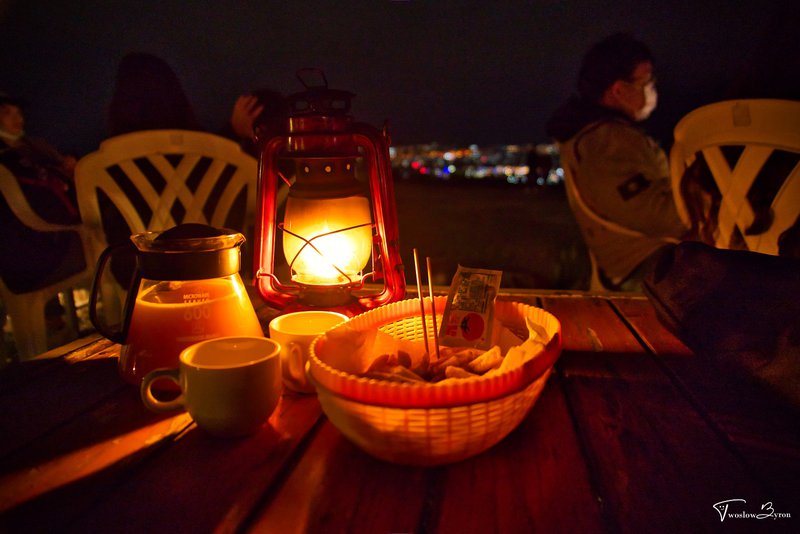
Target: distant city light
pixel 512 164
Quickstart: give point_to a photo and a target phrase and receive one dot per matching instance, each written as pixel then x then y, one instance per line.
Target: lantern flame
pixel 329 241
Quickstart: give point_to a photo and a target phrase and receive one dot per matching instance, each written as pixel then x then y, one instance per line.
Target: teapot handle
pixel 121 335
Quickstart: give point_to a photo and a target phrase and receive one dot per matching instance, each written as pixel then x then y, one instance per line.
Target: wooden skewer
pixel 433 307
pixel 421 303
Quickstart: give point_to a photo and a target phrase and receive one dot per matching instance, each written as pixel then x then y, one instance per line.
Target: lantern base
pixel 325 296
pixel 350 310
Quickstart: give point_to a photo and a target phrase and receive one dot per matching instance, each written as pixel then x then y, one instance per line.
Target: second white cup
pixel 295 332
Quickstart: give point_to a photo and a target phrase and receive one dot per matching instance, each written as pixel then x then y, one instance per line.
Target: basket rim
pixel 500 397
pixel 376 392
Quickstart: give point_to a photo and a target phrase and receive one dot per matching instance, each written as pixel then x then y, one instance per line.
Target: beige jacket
pixel 622 175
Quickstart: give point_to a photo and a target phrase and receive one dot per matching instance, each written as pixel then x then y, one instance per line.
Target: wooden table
pixel 633 433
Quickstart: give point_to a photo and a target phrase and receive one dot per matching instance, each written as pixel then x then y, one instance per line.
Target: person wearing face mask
pixel 44 174
pixel 620 172
pixel 33 259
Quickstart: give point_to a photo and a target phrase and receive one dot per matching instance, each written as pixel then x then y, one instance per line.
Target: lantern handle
pixel 318 98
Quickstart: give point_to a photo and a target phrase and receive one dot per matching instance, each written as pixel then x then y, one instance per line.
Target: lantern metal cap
pixel 318 98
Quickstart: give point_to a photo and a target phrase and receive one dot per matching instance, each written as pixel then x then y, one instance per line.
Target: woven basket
pixel 430 424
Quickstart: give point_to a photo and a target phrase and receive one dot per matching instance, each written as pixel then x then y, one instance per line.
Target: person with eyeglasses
pixel 620 172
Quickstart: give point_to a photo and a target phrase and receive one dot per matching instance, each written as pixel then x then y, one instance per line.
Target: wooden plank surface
pixel 655 457
pixel 509 488
pixel 641 317
pixel 594 337
pixel 533 481
pixel 42 394
pixel 516 486
pixel 199 483
pixel 337 488
pixel 762 430
pixel 80 442
pixel 590 325
pixel 633 433
pixel 110 433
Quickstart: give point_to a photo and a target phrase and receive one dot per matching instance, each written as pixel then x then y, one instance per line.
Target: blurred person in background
pixel 148 96
pixel 620 172
pixel 30 259
pixel 45 175
pixel 264 108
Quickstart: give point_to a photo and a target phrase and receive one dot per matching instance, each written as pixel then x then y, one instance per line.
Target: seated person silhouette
pixel 147 96
pixel 32 259
pixel 619 171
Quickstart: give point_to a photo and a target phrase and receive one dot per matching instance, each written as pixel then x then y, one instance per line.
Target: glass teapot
pixel 186 288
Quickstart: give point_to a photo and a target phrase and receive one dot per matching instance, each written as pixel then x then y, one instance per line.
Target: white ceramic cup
pixel 295 332
pixel 229 385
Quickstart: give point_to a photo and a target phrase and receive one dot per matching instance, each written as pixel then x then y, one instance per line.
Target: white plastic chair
pixel 26 310
pixel 758 127
pixel 600 232
pixel 160 178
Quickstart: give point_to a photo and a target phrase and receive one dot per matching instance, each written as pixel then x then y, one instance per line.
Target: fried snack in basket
pixel 395 367
pixel 455 363
pixel 388 353
pixel 491 359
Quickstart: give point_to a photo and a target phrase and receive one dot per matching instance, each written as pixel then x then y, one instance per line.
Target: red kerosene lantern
pixel 340 211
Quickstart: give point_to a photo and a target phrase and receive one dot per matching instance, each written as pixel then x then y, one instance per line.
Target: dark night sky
pixel 480 72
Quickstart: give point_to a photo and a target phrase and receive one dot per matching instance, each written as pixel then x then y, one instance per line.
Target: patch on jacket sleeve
pixel 633 186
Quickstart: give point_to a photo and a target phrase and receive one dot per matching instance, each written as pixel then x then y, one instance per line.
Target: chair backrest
pixel 752 150
pixel 160 178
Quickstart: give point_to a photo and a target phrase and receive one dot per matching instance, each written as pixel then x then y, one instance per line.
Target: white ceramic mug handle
pixel 296 363
pixel 153 403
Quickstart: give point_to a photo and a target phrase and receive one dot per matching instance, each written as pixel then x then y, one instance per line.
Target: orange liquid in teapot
pixel 165 321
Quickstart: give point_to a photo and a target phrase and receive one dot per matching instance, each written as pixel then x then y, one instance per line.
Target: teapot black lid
pixel 190 251
pixel 191 231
